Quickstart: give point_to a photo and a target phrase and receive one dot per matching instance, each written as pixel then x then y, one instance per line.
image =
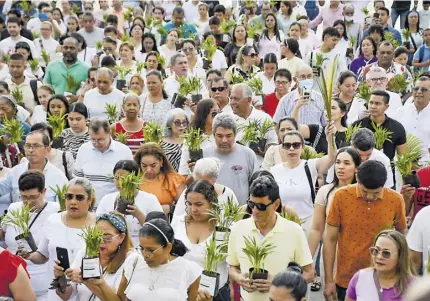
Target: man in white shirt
pixel 37 148
pixel 298 10
pixel 46 42
pixel 45 12
pixel 219 92
pixel 419 239
pixel 7 46
pixel 191 10
pixel 66 7
pixel 96 99
pixel 91 33
pixel 104 9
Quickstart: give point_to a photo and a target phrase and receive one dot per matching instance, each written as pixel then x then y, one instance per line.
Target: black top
pixel 401 4
pixel 24 32
pixel 321 145
pixel 230 52
pixel 398 136
pixel 220 40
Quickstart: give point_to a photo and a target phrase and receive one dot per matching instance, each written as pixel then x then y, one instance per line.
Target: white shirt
pixel 7 46
pixel 34 25
pixel 146 202
pixel 38 272
pixel 96 102
pixel 87 55
pixel 418 235
pixel 39 114
pixel 298 10
pixel 98 167
pixel 166 53
pixel 268 84
pixel 218 60
pixel 292 65
pixel 50 45
pixel 171 86
pixel 92 37
pixel 191 11
pixel 53 177
pixel 183 164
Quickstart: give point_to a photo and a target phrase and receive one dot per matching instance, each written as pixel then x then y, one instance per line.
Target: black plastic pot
pixel 262 275
pixel 407 44
pixel 412 180
pixel 221 234
pixel 178 101
pixel 122 206
pixel 210 280
pixel 196 155
pixel 316 71
pixel 30 241
pixel 207 64
pixel 260 144
pixel 349 51
pixel 85 270
pixel 57 143
pixel 196 98
pixel 120 83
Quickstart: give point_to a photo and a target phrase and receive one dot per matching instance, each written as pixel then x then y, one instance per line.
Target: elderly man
pixel 45 42
pixel 37 148
pixel 91 33
pixel 96 159
pixel 238 162
pixel 219 92
pixel 313 112
pixel 69 66
pixel 105 93
pixel 266 226
pixel 353 29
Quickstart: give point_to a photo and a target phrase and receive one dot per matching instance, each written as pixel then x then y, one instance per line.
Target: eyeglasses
pixel 183 123
pixel 189 49
pixel 109 238
pixel 150 253
pixel 295 145
pixel 29 197
pixel 71 196
pixel 219 89
pixel 213 114
pixel 33 146
pixel 416 89
pixel 107 48
pixel 253 55
pixel 281 83
pixel 261 207
pixel 385 253
pixel 381 79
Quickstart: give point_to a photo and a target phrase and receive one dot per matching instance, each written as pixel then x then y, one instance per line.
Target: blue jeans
pixel 395 14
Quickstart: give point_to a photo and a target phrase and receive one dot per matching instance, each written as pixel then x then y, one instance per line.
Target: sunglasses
pixel 71 196
pixel 295 145
pixel 213 114
pixel 187 49
pixel 183 123
pixel 261 207
pixel 385 253
pixel 416 89
pixel 253 55
pixel 219 89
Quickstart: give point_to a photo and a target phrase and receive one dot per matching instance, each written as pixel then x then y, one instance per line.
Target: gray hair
pixel 348 5
pixel 86 185
pixel 104 70
pixel 97 124
pixel 174 58
pixel 207 167
pixel 246 89
pixel 363 139
pixel 131 94
pixel 169 120
pixel 224 120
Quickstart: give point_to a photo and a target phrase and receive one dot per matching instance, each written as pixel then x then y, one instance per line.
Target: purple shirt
pixel 359 63
pixel 328 16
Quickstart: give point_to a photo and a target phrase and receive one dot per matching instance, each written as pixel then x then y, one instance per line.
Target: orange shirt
pixel 359 222
pixel 165 191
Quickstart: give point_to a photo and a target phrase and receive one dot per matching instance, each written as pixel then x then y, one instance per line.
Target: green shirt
pixel 57 70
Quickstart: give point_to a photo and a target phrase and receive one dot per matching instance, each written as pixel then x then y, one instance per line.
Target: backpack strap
pixel 318 136
pixel 33 86
pixel 311 185
pixel 421 53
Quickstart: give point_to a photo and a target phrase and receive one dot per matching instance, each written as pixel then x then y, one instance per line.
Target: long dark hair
pixel 66 104
pixel 152 37
pixel 159 67
pixel 233 39
pixel 407 21
pixel 341 22
pixel 375 47
pixel 343 109
pixel 202 112
pixel 160 77
pixel 293 45
pixel 143 30
pixel 276 29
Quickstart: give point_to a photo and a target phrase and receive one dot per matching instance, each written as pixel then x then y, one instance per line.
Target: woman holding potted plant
pixel 140 203
pixel 169 49
pixel 244 64
pixel 239 39
pixel 77 134
pixel 32 189
pixel 176 124
pixel 44 93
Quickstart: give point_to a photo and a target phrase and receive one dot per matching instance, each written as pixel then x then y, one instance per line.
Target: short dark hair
pixel 400 50
pixel 377 28
pixel 265 186
pixel 214 21
pixel 108 61
pixel 41 127
pixel 219 8
pixel 384 94
pixel 178 10
pixel 284 73
pixel 385 10
pixel 42 5
pixel 13 20
pixel 219 79
pixel 363 140
pixel 211 71
pixel 346 74
pixel 45 139
pixel 376 1
pixel 331 32
pixel 79 107
pixel 128 165
pixel 159 8
pixel 156 214
pixel 97 124
pixel 31 179
pixel 112 19
pixel 292 280
pixel 110 29
pixel 372 174
pixel 17 57
pixel 15 12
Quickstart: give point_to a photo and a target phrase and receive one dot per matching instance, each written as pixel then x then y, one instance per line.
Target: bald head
pixel 304 71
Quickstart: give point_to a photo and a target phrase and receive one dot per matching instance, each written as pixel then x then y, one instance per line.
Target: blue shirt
pixel 426 56
pixel 189 29
pixel 388 28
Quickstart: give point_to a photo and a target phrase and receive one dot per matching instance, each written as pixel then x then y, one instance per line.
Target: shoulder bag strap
pixel 378 286
pixel 37 215
pixel 311 185
pixel 317 136
pixel 33 86
pixel 65 165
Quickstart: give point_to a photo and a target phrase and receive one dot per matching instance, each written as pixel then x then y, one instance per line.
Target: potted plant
pixel 256 254
pixel 13 133
pixel 256 85
pixel 381 135
pixel 57 122
pixel 122 138
pixel 16 93
pixel 75 9
pixel 153 132
pixel 389 36
pixel 20 219
pixel 214 255
pixel 122 73
pixel 365 10
pixel 99 46
pixel 364 93
pixel 60 192
pixel 406 35
pixel 254 31
pixel 398 84
pixel 125 38
pixel 161 60
pixel 45 57
pixel 140 66
pixel 93 238
pixel 317 67
pixel 407 162
pixel 209 46
pixel 227 26
pixel 179 98
pixel 128 15
pixel 310 153
pixel 350 49
pixel 250 133
pixel 351 131
pixel 128 187
pixel 71 85
pixel 193 140
pixel 236 78
pixel 263 129
pixel 112 112
pixel 194 84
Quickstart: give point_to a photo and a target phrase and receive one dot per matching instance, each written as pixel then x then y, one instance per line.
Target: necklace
pixel 72 250
pixel 153 282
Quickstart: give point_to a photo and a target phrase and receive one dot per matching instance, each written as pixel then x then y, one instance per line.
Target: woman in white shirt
pixel 195 62
pixel 343 43
pixel 44 93
pixel 169 49
pixel 63 229
pixel 270 65
pixel 161 273
pixel 126 53
pixel 32 189
pixel 304 45
pixel 271 38
pixel 143 203
pixel 244 64
pixel 115 249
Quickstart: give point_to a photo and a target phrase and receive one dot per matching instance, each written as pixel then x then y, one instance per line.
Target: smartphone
pixel 307 92
pixel 63 257
pixel 376 15
pixel 43 17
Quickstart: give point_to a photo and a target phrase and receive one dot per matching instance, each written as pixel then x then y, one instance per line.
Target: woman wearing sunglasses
pixel 244 63
pixel 195 63
pixel 64 229
pixel 176 124
pixel 114 250
pixel 389 275
pixel 297 177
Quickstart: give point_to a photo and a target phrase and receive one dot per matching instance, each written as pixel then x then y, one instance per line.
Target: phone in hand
pixel 376 15
pixel 63 257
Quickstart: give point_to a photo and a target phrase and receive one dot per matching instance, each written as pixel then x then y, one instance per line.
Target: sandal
pixel 316 286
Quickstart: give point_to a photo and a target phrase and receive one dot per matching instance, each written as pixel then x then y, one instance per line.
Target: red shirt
pixel 271 103
pixel 422 195
pixel 8 270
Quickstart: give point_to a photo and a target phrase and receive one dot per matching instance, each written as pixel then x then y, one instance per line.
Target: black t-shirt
pixel 230 52
pixel 321 145
pixel 401 4
pixel 398 136
pixel 220 40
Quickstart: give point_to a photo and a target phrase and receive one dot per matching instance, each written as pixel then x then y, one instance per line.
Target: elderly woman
pixel 206 169
pixel 176 124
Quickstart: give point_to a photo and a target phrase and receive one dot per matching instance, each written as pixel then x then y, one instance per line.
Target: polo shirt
pixel 189 29
pixel 57 70
pixel 426 56
pixel 27 92
pixel 359 222
pixel 53 177
pixel 98 167
pixel 290 245
pixel 398 136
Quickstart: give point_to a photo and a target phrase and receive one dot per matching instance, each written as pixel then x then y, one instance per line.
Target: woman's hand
pixel 74 275
pixel 135 211
pixel 330 130
pixel 204 296
pixel 58 270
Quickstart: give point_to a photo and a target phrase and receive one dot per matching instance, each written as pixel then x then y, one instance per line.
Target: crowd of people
pixel 214 150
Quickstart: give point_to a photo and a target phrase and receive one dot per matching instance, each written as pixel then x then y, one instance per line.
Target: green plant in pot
pixel 214 255
pixel 112 112
pixel 14 131
pixel 153 132
pixel 250 133
pixel 310 153
pixel 406 35
pixel 209 46
pixel 75 9
pixel 398 84
pixel 122 73
pixel 34 65
pixel 408 162
pixel 236 78
pixel 263 129
pixel 193 139
pixel 381 135
pixel 20 218
pixel 351 130
pixel 256 254
pixel 179 98
pixel 60 192
pixel 389 36
pixel 16 93
pixel 317 66
pixel 46 57
pixel 194 84
pixel 140 66
pixel 122 137
pixel 93 238
pixel 57 122
pixel 71 85
pixel 351 44
pixel 128 187
pixel 227 26
pixel 256 85
pixel 364 93
pixel 254 31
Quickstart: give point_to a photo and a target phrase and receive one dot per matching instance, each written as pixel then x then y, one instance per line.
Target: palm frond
pixel 34 65
pixel 236 78
pixel 194 84
pixel 60 192
pixel 122 71
pixel 256 85
pixel 17 94
pixel 46 57
pixel 406 34
pixel 93 238
pixel 153 132
pixel 184 86
pixel 352 42
pixel 226 214
pixel 214 255
pixel 99 45
pixel 5 58
pixel 389 36
pixel 250 132
pixel 140 66
pixel 122 137
pixel 161 61
pixel 227 26
pixel 71 84
pixel 309 153
pixel 398 83
pixel 75 9
pixel 364 92
pixel 350 131
pixel 365 10
pixel 57 122
pixel 405 163
pixel 36 35
pixel 209 45
pixel 125 38
pixel 381 135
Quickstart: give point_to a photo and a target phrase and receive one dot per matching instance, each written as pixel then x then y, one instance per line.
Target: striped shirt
pixel 72 141
pixel 98 167
pixel 134 138
pixel 173 153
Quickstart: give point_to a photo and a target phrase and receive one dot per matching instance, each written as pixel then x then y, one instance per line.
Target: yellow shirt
pixel 290 245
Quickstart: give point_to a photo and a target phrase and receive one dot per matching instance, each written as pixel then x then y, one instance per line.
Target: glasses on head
pixel 29 197
pixel 261 207
pixel 183 123
pixel 109 238
pixel 150 253
pixel 380 79
pixel 213 114
pixel 28 146
pixel 278 83
pixel 288 145
pixel 219 89
pixel 416 89
pixel 189 49
pixel 71 196
pixel 385 253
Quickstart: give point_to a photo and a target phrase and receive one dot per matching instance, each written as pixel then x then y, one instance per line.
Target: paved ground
pixel 317 296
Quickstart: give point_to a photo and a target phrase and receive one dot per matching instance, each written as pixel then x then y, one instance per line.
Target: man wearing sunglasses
pixel 357 212
pixel 265 224
pixel 219 92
